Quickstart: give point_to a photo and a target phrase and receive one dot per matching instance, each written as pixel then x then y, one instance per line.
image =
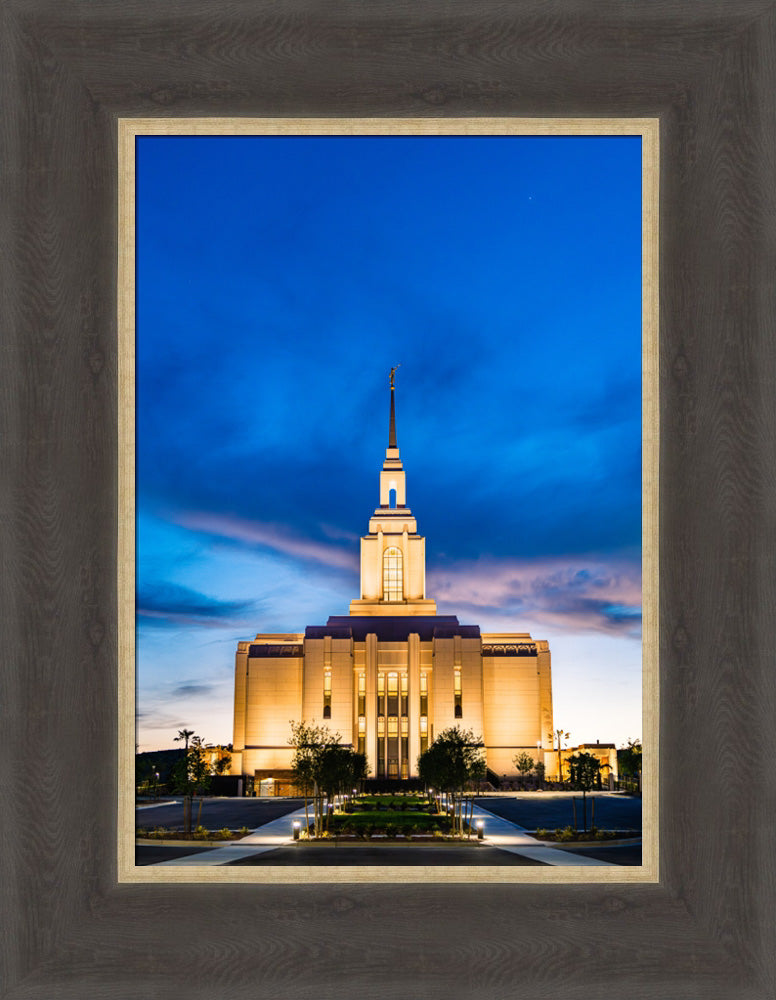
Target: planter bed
pixel 592 837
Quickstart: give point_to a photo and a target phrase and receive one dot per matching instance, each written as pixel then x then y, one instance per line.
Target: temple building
pixel 392 672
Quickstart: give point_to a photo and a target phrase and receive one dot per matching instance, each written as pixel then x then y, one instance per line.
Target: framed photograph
pixel 269 264
pixel 74 925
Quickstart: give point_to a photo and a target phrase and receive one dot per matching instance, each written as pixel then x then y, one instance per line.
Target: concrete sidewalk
pixel 265 838
pixel 498 833
pixel 510 837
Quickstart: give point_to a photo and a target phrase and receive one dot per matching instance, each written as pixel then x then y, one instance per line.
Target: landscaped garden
pixel 387 817
pixel 569 835
pixel 199 833
pixel 329 773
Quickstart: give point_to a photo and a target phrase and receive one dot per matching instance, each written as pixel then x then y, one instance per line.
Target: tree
pixel 561 737
pixel 584 771
pixel 524 763
pixel 193 773
pixel 184 734
pixel 222 763
pixel 323 767
pixel 629 760
pixel 454 763
pixel 144 771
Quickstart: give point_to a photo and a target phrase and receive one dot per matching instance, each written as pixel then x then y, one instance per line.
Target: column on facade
pixel 379 581
pixel 413 669
pixel 545 693
pixel 370 666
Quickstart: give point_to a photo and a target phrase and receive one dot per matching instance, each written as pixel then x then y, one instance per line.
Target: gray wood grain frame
pixel 69 69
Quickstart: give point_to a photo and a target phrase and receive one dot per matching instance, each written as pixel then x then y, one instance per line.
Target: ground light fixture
pixel 297 826
pixel 480 824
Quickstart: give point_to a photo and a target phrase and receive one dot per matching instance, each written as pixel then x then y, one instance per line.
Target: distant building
pixel 392 673
pixel 606 754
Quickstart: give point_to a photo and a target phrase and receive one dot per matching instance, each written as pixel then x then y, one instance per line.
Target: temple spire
pixel 392 423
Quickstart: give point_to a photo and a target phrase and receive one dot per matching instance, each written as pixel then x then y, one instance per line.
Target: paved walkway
pixel 498 832
pixel 266 838
pixel 513 838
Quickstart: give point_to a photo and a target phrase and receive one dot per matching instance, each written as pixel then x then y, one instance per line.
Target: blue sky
pixel 279 278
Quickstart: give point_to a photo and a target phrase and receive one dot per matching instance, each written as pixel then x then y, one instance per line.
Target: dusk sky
pixel 279 279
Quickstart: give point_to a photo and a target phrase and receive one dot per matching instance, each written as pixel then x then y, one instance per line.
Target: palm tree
pixel 560 736
pixel 184 734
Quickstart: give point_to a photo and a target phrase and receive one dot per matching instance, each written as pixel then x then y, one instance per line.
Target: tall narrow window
pixel 457 692
pixel 393 694
pixel 424 694
pixel 393 746
pixel 404 694
pixel 362 694
pixel 361 734
pixel 381 694
pixel 393 589
pixel 423 733
pixel 327 694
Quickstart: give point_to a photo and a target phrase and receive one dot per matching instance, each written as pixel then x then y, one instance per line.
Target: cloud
pixel 156 719
pixel 192 690
pixel 569 595
pixel 272 536
pixel 168 604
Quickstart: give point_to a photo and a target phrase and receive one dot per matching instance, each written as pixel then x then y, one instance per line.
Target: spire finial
pixel 392 424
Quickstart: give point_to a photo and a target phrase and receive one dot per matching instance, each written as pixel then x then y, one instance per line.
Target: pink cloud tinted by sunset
pixel 272 536
pixel 558 593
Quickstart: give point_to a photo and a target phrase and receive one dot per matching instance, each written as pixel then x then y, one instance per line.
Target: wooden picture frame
pixel 70 72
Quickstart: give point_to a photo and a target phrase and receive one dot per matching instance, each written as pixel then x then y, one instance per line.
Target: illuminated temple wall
pixel 503 693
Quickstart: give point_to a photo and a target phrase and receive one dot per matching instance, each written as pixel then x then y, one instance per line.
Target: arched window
pixel 393 589
pixel 392 497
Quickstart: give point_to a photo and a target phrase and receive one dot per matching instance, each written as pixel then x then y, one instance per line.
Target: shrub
pixel 541 833
pixel 141 831
pixel 567 834
pixel 200 833
pixel 225 833
pixel 244 831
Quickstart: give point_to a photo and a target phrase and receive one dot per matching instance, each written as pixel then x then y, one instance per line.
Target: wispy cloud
pixel 563 594
pixel 193 690
pixel 272 536
pixel 169 604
